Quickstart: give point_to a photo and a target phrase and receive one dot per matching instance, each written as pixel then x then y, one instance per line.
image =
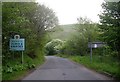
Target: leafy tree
pixel 86 31
pixel 54 47
pixel 110 24
pixel 28 19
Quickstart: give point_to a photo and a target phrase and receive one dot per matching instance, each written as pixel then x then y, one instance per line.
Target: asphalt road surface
pixel 56 68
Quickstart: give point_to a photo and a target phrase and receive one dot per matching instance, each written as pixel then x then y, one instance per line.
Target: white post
pixel 22 57
pixel 91 52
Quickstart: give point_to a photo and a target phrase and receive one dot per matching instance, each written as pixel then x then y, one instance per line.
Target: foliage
pixel 54 47
pixel 31 21
pixel 17 67
pixel 14 69
pixel 104 66
pixel 110 24
pixel 85 32
pixel 25 19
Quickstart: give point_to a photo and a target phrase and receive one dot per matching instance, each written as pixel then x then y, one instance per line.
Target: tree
pixel 110 24
pixel 54 47
pixel 86 31
pixel 28 19
pixel 43 18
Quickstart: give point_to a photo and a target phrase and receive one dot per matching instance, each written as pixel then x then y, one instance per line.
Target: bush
pixel 54 47
pixel 76 46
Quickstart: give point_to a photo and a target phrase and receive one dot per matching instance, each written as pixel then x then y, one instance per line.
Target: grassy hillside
pixel 63 32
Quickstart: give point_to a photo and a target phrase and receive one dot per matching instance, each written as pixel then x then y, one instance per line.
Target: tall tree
pixel 86 31
pixel 110 24
pixel 28 19
pixel 87 28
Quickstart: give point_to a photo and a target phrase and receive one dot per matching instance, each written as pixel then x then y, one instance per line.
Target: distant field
pixel 63 32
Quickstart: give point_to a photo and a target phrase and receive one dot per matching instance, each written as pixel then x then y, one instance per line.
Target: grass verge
pixel 15 70
pixel 105 65
pixel 111 68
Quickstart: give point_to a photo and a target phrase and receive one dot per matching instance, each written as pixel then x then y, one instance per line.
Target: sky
pixel 68 11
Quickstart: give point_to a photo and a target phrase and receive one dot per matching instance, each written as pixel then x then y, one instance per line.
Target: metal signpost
pixel 94 45
pixel 17 44
pixel 91 51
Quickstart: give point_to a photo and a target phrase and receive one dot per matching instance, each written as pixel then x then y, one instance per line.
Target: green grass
pixel 15 75
pixel 98 65
pixel 103 65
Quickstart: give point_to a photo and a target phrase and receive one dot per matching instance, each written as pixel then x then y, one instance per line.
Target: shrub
pixel 54 47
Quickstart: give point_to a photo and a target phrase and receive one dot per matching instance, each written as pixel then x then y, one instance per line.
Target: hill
pixel 63 32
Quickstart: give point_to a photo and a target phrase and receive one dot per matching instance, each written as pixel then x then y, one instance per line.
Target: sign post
pixel 94 45
pixel 22 58
pixel 91 52
pixel 17 44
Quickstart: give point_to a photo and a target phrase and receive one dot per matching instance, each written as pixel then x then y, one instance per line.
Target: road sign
pixel 17 44
pixel 96 44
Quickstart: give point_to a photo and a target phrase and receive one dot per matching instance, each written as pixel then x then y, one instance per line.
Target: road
pixel 56 68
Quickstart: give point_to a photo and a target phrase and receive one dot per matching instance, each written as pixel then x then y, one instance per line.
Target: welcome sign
pixel 17 44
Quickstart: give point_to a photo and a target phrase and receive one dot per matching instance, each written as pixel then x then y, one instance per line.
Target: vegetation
pixel 76 47
pixel 78 43
pixel 54 47
pixel 110 25
pixel 35 23
pixel 106 58
pixel 79 36
pixel 107 67
pixel 31 21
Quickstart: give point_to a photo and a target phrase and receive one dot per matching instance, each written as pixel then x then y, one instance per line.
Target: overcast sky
pixel 68 11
